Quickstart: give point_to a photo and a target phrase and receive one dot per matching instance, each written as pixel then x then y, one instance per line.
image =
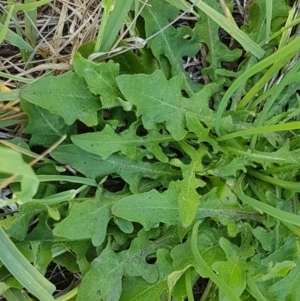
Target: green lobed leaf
pixel 149 208
pixel 204 270
pixel 160 101
pixel 26 213
pixel 107 142
pixel 131 170
pixel 45 128
pixel 130 63
pixel 287 288
pixel 230 169
pixel 222 206
pixel 103 280
pixel 88 219
pixel 100 78
pixel 233 270
pixel 217 52
pixel 188 197
pixel 65 95
pixel 286 251
pixel 170 45
pixel 257 18
pixel 137 289
pixel 105 277
pixel 194 125
pixel 176 284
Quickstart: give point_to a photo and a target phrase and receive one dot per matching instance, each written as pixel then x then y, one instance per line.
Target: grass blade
pixel 289 185
pixel 231 28
pixel 30 20
pixel 31 6
pixel 262 130
pixel 23 271
pixel 14 39
pixel 269 9
pixel 288 51
pixel 4 27
pixel 111 25
pixel 283 216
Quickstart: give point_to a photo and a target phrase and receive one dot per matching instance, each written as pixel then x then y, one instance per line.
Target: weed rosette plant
pixel 161 179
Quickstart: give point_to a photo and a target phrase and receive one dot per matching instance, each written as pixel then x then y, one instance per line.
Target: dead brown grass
pixel 61 27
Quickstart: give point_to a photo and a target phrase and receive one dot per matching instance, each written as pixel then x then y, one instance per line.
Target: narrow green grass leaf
pixel 108 30
pixel 283 216
pixel 31 6
pixel 69 179
pixel 262 82
pixel 30 24
pixel 285 34
pixel 23 271
pixel 14 77
pixel 231 28
pixel 262 130
pixel 180 4
pixel 4 27
pixel 69 295
pixel 289 78
pixel 16 40
pixel 294 186
pixel 254 290
pixel 61 178
pixel 269 11
pixel 11 95
pixel 284 31
pixel 289 51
